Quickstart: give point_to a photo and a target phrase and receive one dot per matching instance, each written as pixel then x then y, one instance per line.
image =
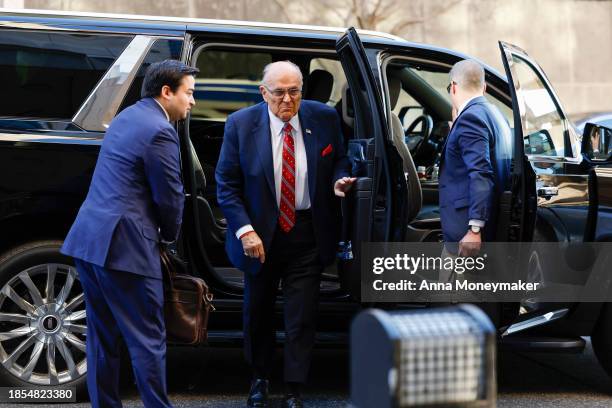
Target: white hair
pixel 469 74
pixel 280 65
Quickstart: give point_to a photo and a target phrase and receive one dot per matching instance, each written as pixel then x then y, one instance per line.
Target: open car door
pixel 378 200
pixel 550 157
pixel 521 213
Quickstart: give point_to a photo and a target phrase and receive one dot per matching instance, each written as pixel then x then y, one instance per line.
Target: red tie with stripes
pixel 287 202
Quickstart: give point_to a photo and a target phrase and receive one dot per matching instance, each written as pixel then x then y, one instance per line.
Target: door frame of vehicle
pixel 198 41
pixel 388 202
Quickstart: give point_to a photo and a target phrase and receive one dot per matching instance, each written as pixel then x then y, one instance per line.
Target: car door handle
pixel 548 191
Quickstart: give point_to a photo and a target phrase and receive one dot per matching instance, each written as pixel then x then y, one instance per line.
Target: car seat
pixel 415 193
pixel 319 86
pixel 213 227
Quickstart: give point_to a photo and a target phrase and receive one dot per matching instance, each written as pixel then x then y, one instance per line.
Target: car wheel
pixel 42 319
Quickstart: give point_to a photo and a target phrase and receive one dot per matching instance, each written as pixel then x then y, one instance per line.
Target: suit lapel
pixel 263 145
pixel 309 134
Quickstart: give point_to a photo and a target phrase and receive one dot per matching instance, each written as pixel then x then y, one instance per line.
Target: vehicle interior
pixel 420 117
pixel 229 80
pixel 420 121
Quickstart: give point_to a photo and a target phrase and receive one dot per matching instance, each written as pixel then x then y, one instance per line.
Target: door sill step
pixel 235 338
pixel 542 344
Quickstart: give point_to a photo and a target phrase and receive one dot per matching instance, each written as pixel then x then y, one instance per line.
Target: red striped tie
pixel 287 202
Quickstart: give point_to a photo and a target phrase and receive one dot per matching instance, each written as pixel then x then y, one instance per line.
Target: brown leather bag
pixel 187 303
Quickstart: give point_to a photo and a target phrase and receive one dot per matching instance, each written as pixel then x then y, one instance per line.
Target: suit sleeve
pixel 229 178
pixel 342 164
pixel 163 173
pixel 474 145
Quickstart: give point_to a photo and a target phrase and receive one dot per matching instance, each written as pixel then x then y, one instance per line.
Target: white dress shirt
pixel 302 194
pixel 476 223
pixel 464 104
pixel 165 112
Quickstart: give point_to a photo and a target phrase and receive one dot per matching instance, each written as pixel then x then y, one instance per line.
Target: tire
pixel 601 338
pixel 42 319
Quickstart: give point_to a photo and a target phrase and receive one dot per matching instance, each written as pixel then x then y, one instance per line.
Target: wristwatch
pixel 475 229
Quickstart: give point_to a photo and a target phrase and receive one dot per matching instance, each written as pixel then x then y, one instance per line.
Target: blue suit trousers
pixel 129 306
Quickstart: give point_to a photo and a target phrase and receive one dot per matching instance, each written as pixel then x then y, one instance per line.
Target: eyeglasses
pixel 280 93
pixel 448 88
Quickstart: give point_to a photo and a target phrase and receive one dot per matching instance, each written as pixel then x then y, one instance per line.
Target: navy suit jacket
pixel 135 197
pixel 245 177
pixel 474 169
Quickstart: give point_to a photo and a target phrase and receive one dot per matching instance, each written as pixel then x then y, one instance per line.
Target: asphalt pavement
pixel 219 378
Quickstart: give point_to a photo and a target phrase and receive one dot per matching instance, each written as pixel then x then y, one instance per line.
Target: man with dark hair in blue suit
pixel 281 163
pixel 474 164
pixel 135 200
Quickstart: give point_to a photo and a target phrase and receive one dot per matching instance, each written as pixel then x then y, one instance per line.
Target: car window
pixel 403 90
pixel 228 81
pixel 427 84
pixel 331 82
pixel 438 80
pixel 49 75
pixel 544 126
pixel 407 110
pixel 161 50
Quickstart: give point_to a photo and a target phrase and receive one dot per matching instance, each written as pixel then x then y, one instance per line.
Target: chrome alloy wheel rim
pixel 42 325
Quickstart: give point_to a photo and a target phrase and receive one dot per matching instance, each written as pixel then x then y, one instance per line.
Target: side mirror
pixel 597 143
pixel 540 143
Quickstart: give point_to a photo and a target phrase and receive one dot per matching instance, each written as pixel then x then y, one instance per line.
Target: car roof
pixel 31 18
pixel 189 21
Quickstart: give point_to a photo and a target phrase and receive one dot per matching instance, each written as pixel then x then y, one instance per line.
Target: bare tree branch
pixel 442 10
pixel 332 6
pixel 401 26
pixel 357 13
pixel 373 18
pixel 376 7
pixel 283 8
pixel 390 8
pixel 385 15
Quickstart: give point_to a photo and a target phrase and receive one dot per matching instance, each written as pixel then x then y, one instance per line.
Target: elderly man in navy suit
pixel 135 200
pixel 474 164
pixel 281 163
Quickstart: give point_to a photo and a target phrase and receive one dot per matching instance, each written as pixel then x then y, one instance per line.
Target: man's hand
pixel 343 185
pixel 252 246
pixel 470 244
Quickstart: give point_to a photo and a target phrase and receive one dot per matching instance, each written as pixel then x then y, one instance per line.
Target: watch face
pixel 475 229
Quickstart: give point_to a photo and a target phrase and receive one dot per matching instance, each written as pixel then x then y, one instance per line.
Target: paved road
pixel 218 378
pixel 553 380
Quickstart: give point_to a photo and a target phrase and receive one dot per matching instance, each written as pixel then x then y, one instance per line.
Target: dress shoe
pixel 292 401
pixel 258 395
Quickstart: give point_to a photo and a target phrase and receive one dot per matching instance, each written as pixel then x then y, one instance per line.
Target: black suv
pixel 65 76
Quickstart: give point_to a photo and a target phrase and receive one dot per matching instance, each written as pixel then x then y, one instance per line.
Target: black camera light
pixel 435 357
